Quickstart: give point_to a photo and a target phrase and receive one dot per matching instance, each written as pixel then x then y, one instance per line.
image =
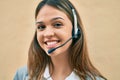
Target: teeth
pixel 51 43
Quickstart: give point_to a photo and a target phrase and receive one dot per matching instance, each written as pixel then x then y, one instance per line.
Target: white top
pixel 72 76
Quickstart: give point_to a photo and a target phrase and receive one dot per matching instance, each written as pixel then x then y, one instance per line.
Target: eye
pixel 58 25
pixel 41 27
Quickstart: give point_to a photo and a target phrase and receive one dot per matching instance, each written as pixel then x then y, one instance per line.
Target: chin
pixel 57 53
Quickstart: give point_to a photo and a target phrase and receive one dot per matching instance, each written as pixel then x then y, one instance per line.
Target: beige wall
pixel 101 21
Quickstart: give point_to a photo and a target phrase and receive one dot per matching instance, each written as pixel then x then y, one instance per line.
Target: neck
pixel 61 67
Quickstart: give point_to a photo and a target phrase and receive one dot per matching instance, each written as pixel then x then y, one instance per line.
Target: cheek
pixel 68 33
pixel 68 30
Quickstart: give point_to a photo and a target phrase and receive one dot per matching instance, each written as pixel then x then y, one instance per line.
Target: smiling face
pixel 53 29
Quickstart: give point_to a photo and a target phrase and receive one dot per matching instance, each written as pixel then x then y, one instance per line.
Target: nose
pixel 49 33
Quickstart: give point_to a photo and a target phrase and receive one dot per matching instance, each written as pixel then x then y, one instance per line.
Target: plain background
pixel 101 19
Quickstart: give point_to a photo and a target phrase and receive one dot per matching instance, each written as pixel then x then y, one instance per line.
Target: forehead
pixel 47 12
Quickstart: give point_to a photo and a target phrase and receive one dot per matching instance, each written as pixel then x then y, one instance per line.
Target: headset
pixel 76 33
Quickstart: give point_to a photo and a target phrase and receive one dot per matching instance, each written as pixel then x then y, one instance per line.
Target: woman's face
pixel 53 29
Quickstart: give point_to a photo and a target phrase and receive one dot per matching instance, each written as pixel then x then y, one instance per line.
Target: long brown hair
pixel 78 57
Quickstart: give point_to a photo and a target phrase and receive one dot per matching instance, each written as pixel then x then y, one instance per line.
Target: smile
pixel 52 43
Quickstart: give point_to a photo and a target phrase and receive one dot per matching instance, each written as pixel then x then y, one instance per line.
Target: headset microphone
pixel 53 49
pixel 75 34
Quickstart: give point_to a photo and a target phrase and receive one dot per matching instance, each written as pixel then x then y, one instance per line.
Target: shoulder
pixel 100 78
pixel 21 73
pixel 96 78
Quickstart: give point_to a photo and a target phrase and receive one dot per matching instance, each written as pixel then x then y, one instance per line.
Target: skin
pixel 53 29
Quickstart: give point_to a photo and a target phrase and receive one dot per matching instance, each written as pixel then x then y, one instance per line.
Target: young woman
pixel 58 50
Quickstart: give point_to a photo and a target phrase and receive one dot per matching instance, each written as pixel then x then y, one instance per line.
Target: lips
pixel 52 43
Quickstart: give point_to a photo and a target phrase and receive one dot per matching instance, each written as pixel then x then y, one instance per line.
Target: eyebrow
pixel 40 22
pixel 56 18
